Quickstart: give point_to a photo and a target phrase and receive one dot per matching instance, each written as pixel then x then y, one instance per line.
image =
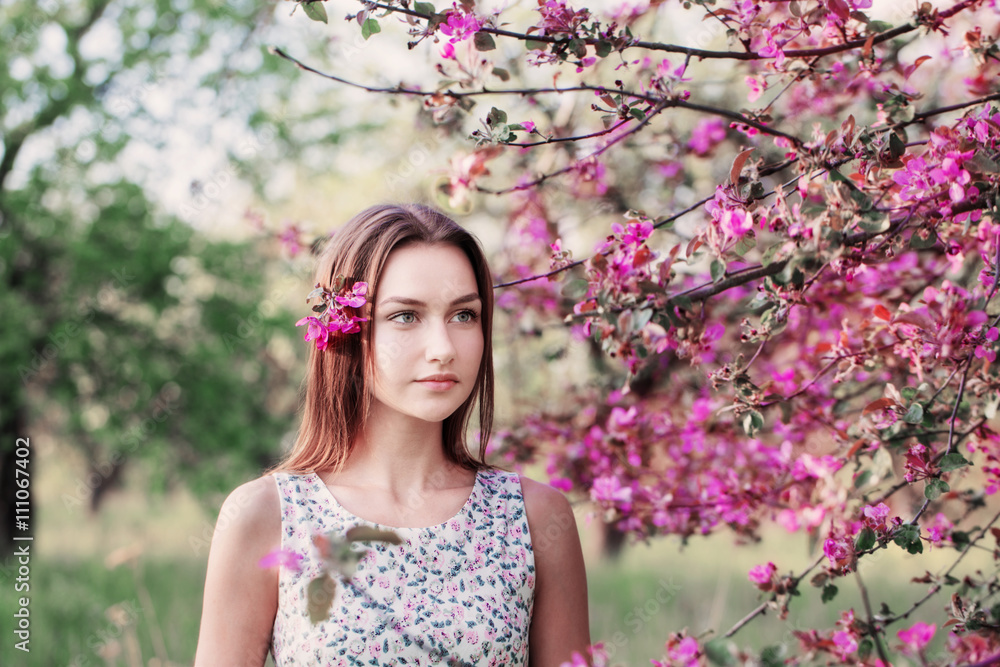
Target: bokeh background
pixel 162 179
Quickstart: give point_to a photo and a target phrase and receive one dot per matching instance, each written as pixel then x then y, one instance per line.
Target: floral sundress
pixel 458 593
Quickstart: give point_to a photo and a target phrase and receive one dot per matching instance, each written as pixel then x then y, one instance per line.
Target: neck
pixel 397 452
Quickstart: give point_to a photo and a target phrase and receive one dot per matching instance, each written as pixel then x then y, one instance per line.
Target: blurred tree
pixel 125 329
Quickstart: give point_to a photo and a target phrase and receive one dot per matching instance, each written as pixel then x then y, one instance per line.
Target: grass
pixel 125 587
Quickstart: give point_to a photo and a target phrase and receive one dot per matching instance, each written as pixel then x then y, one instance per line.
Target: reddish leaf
pixel 642 255
pixel 879 404
pixel 866 50
pixel 737 169
pixel 855 447
pixel 882 313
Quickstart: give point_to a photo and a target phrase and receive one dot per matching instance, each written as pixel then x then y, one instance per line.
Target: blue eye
pixel 401 318
pixel 467 316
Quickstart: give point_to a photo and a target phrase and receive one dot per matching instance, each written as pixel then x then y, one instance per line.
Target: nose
pixel 439 346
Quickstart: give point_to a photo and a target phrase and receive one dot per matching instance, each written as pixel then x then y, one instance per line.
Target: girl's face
pixel 428 338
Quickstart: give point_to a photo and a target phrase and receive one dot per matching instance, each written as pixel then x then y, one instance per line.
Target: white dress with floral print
pixel 459 593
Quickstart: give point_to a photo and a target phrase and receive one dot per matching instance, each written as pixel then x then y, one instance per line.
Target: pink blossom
pixel 460 26
pixel 762 574
pixel 918 464
pixel 875 516
pixel 915 638
pixel 686 650
pixel 757 88
pixel 356 298
pixel 559 18
pixel 290 238
pixel 706 135
pixel 736 223
pixel 448 51
pixel 528 126
pixel 609 489
pixel 985 351
pixel 771 49
pixel 940 529
pixel 316 330
pixel 846 642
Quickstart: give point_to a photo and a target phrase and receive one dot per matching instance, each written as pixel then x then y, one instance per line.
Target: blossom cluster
pixel 332 314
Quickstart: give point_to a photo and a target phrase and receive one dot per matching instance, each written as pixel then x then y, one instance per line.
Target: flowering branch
pixel 703 54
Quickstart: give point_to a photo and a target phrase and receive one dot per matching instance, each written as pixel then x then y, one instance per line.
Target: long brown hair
pixel 337 396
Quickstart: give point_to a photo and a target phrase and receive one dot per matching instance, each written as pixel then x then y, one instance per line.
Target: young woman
pixel 489 568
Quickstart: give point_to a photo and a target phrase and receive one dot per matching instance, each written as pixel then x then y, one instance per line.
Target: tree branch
pixel 702 54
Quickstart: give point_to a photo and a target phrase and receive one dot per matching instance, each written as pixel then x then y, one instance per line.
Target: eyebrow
pixel 407 301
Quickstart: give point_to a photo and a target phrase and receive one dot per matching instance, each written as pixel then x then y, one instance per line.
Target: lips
pixel 441 377
pixel 440 382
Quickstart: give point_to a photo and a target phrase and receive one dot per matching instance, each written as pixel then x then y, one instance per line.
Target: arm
pixel 559 620
pixel 240 598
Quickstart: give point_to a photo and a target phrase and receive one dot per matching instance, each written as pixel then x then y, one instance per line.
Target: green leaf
pixel 921 239
pixel 603 48
pixel 934 488
pixel 875 225
pixel 908 393
pixel 753 421
pixel 320 596
pixel 501 74
pixel 641 318
pixel 369 28
pixel 746 243
pixel 683 302
pixel 718 270
pixel 483 41
pixel 896 146
pixel 829 592
pixel 535 45
pixel 953 461
pixel 865 540
pixel 315 10
pixel 915 414
pixel 861 480
pixel 638 114
pixel 424 8
pixel 772 656
pixel 496 117
pixel 865 647
pixel 908 537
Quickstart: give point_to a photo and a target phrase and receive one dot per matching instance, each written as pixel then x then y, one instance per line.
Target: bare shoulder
pixel 541 499
pixel 252 512
pixel 550 518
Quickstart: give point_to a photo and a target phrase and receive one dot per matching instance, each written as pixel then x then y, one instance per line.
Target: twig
pixel 873 629
pixel 958 401
pixel 759 609
pixel 544 177
pixel 937 587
